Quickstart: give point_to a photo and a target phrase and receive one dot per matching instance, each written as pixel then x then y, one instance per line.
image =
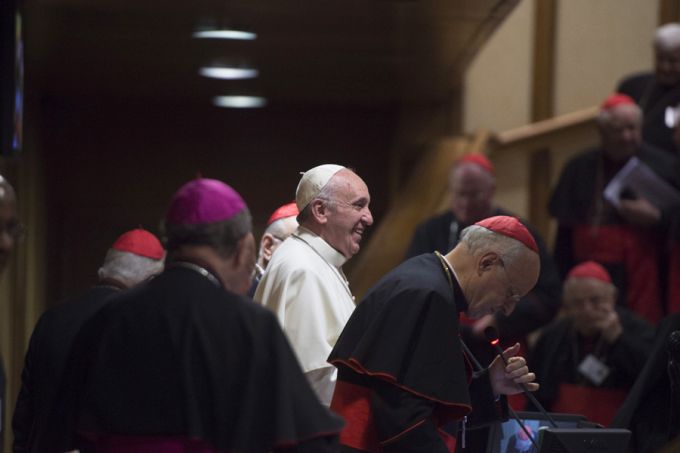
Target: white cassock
pixel 305 287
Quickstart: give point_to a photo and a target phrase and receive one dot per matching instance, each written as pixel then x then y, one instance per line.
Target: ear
pixel 266 245
pixel 319 211
pixel 487 261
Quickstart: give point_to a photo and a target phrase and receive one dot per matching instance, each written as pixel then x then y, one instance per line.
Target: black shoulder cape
pixel 405 331
pixel 180 356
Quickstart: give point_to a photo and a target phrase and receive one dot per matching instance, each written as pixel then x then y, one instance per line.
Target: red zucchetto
pixel 590 269
pixel 140 242
pixel 510 227
pixel 283 212
pixel 616 99
pixel 204 201
pixel 478 159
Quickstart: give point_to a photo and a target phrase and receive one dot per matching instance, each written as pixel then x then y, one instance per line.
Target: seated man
pixel 403 374
pixel 625 238
pixel 587 361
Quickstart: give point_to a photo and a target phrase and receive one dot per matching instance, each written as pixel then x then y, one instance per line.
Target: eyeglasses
pixel 511 293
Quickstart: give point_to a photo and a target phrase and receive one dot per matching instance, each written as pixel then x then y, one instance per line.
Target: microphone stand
pixel 492 336
pixel 514 415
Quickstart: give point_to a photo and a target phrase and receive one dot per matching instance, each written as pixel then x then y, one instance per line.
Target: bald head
pixel 9 222
pixel 620 130
pixel 667 54
pixel 471 190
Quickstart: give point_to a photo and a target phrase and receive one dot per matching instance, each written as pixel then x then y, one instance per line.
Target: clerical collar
pixel 328 254
pixel 111 283
pixel 198 269
pixel 454 283
pixel 323 248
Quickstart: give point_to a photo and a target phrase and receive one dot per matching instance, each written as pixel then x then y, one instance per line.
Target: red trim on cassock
pixel 353 403
pixel 638 250
pixel 599 405
pixel 358 368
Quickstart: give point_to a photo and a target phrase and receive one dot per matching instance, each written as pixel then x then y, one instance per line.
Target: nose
pixel 367 218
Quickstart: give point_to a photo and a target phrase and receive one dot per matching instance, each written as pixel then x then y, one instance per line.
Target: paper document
pixel 638 178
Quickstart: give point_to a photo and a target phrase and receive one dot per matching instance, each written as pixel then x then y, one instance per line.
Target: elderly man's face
pixel 667 65
pixel 9 224
pixel 497 286
pixel 621 135
pixel 471 189
pixel 271 240
pixel 348 215
pixel 588 301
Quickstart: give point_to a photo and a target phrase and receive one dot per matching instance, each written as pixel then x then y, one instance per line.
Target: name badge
pixel 594 369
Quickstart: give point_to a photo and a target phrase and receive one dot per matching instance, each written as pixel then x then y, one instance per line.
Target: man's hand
pixel 609 324
pixel 505 380
pixel 640 212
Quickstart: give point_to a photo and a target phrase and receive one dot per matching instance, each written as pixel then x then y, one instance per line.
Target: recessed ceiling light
pixel 239 102
pixel 227 73
pixel 225 34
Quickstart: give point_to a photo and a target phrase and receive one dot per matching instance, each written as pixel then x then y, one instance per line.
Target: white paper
pixel 643 182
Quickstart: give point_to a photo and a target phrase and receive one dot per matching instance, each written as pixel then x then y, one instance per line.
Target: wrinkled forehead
pixel 349 186
pixel 585 288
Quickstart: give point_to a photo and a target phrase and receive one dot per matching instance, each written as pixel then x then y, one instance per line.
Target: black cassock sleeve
pixel 405 422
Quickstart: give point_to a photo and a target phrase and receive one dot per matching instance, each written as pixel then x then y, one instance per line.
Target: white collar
pixel 320 246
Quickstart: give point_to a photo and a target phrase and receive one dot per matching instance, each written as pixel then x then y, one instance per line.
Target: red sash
pixel 638 250
pixel 353 403
pixel 144 444
pixel 597 404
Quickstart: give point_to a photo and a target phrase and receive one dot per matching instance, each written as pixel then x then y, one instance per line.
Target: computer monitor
pixel 509 436
pixel 561 440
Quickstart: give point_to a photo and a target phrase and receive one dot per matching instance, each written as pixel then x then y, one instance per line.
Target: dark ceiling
pixel 348 53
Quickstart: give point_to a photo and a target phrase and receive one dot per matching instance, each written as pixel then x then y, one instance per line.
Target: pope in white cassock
pixel 304 284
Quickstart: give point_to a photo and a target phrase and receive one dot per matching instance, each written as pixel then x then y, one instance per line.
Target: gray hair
pixel 128 268
pixel 326 195
pixel 222 236
pixel 667 37
pixel 479 240
pixel 604 117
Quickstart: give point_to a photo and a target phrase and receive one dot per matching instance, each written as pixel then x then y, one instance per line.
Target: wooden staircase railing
pixel 527 160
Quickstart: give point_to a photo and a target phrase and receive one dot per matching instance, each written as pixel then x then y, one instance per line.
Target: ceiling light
pixel 239 102
pixel 225 34
pixel 226 73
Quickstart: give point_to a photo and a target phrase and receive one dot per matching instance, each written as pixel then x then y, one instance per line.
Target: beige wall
pixel 598 42
pixel 497 85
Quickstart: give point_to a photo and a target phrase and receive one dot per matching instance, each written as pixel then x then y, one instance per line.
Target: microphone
pixel 492 335
pixel 514 415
